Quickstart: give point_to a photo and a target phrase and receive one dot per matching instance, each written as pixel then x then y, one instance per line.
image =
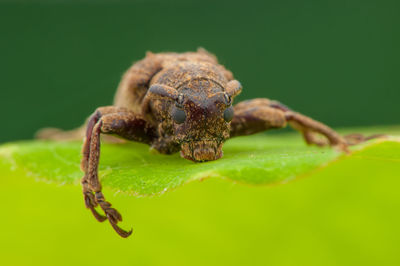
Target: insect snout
pixel 203 150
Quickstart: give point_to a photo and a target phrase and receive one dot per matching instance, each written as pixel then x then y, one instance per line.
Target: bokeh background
pixel 337 61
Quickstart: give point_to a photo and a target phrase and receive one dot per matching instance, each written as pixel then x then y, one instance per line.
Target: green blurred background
pixel 337 61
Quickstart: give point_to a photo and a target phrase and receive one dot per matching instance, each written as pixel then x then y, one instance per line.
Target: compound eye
pixel 178 115
pixel 228 114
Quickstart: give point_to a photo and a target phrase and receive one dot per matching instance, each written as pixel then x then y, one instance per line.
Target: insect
pixel 183 102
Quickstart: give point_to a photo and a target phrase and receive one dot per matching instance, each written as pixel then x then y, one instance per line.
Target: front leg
pixel 258 115
pixel 108 120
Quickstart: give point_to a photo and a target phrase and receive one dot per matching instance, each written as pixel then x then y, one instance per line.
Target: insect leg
pixel 255 116
pixel 312 129
pixel 258 115
pixel 108 120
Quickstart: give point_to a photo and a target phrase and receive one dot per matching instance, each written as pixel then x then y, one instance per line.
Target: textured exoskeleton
pixel 182 102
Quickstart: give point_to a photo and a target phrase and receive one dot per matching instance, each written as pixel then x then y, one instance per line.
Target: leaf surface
pixel 133 168
pixel 342 210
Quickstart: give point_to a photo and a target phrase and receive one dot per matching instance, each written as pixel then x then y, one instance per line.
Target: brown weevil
pixel 182 102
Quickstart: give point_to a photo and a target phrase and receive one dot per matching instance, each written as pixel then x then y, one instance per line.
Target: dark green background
pixel 337 61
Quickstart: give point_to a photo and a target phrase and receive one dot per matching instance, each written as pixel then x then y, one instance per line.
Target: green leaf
pixel 344 212
pixel 131 167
